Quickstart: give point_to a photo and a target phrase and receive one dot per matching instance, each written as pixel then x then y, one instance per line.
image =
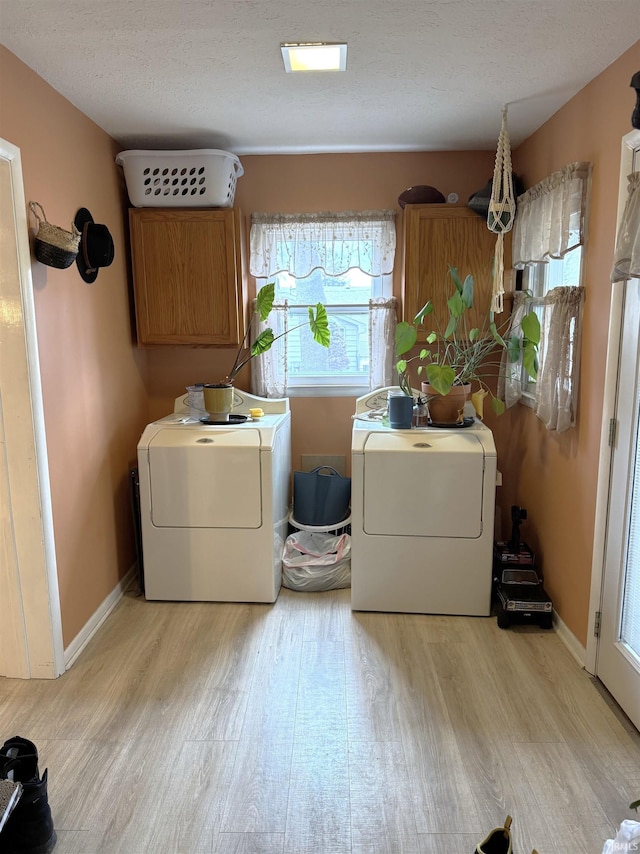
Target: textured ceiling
pixel 421 74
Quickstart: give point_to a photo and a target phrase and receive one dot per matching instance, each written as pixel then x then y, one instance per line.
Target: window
pixel 344 261
pixel 540 280
pixel 548 241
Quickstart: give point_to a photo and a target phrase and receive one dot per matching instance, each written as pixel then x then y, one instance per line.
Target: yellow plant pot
pixel 218 400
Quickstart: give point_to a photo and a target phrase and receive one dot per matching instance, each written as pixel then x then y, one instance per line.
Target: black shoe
pixel 29 828
pixel 498 841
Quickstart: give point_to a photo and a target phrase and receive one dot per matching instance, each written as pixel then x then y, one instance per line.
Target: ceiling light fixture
pixel 314 56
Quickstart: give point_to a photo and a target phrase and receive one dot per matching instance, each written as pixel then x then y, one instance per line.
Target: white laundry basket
pixel 201 177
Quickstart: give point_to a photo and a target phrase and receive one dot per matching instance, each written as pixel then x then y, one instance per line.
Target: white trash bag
pixel 627 839
pixel 316 561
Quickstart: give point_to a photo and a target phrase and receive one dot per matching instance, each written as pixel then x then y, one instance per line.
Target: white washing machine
pixel 422 515
pixel 214 503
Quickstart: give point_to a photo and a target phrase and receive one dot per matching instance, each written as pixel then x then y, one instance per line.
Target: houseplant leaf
pixel 497 405
pixel 264 300
pixel 451 327
pixel 424 311
pixel 263 342
pixel 530 359
pixel 457 281
pixel 406 336
pixel 319 323
pixel 531 327
pixel 441 377
pixel 513 348
pixel 467 292
pixel 456 305
pixel 496 335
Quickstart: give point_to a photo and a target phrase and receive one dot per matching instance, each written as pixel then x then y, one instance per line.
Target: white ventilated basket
pixel 202 177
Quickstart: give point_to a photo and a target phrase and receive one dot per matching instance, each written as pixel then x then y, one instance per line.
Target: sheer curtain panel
pixel 557 384
pixel 333 242
pixel 626 261
pixel 550 217
pixel 510 378
pixel 269 375
pixel 382 333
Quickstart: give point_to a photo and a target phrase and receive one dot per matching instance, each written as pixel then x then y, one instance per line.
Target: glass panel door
pixel 618 664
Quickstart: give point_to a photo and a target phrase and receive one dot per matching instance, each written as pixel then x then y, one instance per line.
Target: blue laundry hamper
pixel 320 497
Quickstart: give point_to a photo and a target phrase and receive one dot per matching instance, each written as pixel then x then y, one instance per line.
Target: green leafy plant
pixel 458 354
pixel 318 323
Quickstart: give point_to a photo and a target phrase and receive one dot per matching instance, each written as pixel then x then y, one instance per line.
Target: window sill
pixel 326 391
pixel 528 400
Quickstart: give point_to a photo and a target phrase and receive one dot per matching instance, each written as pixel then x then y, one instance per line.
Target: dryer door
pixel 427 484
pixel 205 478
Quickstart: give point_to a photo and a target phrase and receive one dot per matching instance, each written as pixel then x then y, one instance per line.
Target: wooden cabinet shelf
pixel 437 237
pixel 187 276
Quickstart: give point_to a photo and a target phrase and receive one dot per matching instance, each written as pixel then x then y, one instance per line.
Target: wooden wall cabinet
pixel 187 276
pixel 437 237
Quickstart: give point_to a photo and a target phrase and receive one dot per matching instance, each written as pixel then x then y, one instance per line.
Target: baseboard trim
pixel 570 640
pixel 92 625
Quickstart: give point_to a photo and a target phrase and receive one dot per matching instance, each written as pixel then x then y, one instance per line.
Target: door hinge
pixel 596 625
pixel 613 426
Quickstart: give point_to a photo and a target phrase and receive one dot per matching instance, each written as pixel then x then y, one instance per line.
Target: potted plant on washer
pixel 219 396
pixel 457 355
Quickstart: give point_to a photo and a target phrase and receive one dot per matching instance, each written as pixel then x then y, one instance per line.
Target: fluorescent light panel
pixel 314 56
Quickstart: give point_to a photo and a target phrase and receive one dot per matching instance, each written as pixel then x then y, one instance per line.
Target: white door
pixel 613 646
pixel 618 663
pixel 30 626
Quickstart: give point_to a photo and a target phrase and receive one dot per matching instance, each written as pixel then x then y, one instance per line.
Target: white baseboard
pixel 570 640
pixel 92 625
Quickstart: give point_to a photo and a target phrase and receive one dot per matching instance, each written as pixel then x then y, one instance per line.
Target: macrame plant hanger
pixel 502 211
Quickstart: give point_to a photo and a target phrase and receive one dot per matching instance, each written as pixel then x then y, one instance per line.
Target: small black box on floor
pixel 504 555
pixel 517 587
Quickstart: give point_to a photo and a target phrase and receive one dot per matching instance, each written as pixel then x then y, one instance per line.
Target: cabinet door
pixel 187 276
pixel 437 237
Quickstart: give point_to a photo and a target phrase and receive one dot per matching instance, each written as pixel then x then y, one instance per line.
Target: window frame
pixel 538 281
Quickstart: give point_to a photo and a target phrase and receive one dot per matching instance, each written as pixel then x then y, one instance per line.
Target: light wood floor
pixel 303 727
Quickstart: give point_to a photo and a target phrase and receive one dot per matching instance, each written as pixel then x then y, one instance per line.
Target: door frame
pixel 35 624
pixel 630 143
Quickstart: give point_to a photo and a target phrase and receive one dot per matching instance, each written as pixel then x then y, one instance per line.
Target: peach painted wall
pixel 100 390
pixel 93 379
pixel 300 183
pixel 555 476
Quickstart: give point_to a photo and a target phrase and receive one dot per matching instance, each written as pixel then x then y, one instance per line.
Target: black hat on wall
pixel 96 246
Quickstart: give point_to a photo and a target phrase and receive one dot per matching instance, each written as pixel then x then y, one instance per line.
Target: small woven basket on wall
pixel 54 246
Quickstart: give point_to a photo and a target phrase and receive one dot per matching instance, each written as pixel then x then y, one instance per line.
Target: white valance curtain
pixel 626 261
pixel 550 218
pixel 333 242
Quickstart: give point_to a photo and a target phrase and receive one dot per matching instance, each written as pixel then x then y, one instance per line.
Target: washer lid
pixel 423 484
pixel 204 478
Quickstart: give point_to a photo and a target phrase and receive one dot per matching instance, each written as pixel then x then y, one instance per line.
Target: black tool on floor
pixel 517 586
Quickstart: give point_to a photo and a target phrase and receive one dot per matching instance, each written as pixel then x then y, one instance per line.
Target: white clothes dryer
pixel 422 515
pixel 214 502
